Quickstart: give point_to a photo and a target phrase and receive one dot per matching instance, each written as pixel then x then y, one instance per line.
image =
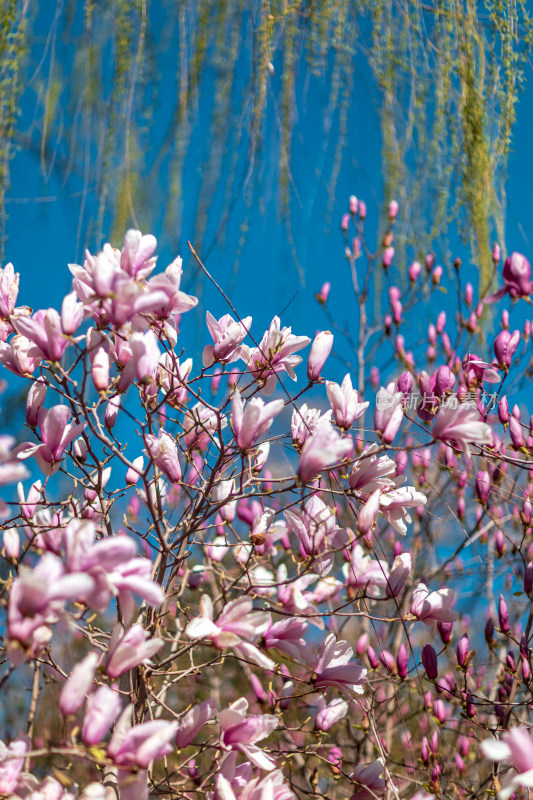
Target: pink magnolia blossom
pixel 34 401
pixel 57 433
pixel 364 572
pixel 173 376
pixel 12 763
pixel 193 721
pixel 395 505
pixel 75 689
pixel 103 707
pixel 318 355
pixel 287 635
pixel 145 355
pixel 388 414
pixel 142 744
pixel 239 732
pixel 21 356
pixel 36 602
pixel 274 355
pixel 401 567
pixel 371 472
pixel 317 531
pixel 344 401
pixel 323 449
pixel 238 626
pixel 251 420
pixel 227 335
pixel 371 784
pixel 461 427
pixel 200 426
pixel 430 607
pixel 329 714
pixel 167 286
pixel 334 667
pixel 129 649
pixel 45 330
pixel 505 346
pixel 71 314
pixel 111 567
pixel 163 451
pixel 305 422
pixel 271 787
pixel 476 369
pixel 9 289
pixel 517 278
pixel 516 747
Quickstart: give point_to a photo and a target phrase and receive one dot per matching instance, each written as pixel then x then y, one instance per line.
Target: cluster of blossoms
pixel 215 593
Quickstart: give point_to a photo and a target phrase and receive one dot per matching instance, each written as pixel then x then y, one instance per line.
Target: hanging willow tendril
pixel 132 95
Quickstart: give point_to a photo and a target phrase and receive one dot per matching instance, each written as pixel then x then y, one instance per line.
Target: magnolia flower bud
pixel 439 710
pixel 323 294
pixel 353 204
pixel 462 650
pixel 402 661
pixel 483 486
pixel 393 210
pixel 388 255
pixel 320 350
pixel 414 271
pixel 503 615
pixel 430 662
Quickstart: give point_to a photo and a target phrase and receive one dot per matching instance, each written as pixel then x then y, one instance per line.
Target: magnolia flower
pixel 432 607
pixel 323 449
pixel 317 531
pixel 344 400
pixel 103 707
pixel 388 414
pixel 364 572
pixel 239 732
pixel 57 433
pixel 274 355
pixel 517 278
pixel 394 506
pixel 129 649
pixel 12 762
pixel 163 451
pixel 371 472
pixel 271 787
pixel 318 355
pixel 328 715
pixel 239 626
pixel 461 427
pixel 141 744
pixel 368 776
pixel 287 636
pixel 21 356
pixel 479 370
pixel 45 330
pixel 9 289
pixel 305 422
pixel 76 687
pixel 227 335
pixel 145 355
pixel 334 667
pixel 193 721
pixel 252 420
pixel 200 424
pixel 516 747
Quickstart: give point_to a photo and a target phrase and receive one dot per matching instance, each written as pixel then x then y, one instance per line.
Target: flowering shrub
pixel 210 593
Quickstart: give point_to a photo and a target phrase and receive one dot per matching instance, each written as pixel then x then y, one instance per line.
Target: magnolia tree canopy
pixel 240 579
